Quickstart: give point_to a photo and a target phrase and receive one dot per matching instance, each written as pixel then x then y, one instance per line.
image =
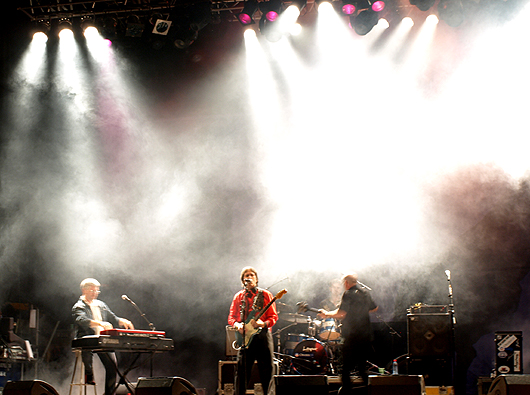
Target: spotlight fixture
pixel 378 5
pixel 246 16
pixel 135 28
pixel 161 26
pixel 364 22
pixel 64 23
pixel 271 9
pixel 42 26
pixel 187 22
pixel 451 11
pixel 348 7
pixel 423 5
pixel 86 22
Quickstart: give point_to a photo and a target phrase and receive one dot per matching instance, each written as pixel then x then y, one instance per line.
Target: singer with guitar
pixel 253 310
pixel 91 316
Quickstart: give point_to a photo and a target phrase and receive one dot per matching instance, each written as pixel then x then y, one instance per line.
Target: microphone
pixel 125 297
pixel 448 274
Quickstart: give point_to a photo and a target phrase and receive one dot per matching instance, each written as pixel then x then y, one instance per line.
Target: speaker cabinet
pixel 164 386
pixel 510 385
pixel 429 335
pixel 396 385
pixel 299 385
pixel 509 352
pixel 35 387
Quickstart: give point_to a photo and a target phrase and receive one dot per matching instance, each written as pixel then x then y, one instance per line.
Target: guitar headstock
pixel 302 307
pixel 281 293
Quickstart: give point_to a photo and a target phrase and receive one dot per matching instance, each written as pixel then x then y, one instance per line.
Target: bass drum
pixel 310 357
pixel 292 340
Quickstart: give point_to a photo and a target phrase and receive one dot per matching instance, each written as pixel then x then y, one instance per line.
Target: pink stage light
pixel 378 6
pixel 348 9
pixel 271 16
pixel 245 19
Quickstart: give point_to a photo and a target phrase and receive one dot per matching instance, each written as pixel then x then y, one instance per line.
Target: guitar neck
pixel 263 310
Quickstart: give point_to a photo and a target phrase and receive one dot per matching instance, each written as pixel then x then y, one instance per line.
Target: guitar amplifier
pixel 509 352
pixel 230 351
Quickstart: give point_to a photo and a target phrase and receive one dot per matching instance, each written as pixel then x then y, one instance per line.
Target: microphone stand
pixel 453 322
pixel 151 326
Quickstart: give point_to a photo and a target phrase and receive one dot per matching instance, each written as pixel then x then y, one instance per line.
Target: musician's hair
pixel 248 269
pixel 89 282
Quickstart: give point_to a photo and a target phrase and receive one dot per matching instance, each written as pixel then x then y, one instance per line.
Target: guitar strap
pixel 258 303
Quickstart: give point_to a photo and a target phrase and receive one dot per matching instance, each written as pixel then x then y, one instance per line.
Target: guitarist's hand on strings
pixel 257 324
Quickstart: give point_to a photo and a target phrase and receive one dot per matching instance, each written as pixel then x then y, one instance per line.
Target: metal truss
pixel 42 10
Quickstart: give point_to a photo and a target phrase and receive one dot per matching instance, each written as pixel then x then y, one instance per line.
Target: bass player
pixel 245 305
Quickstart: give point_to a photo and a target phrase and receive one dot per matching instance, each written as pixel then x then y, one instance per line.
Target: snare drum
pixel 310 357
pixel 292 340
pixel 328 330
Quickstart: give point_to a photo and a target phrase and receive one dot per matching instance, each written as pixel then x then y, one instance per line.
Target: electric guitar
pixel 249 330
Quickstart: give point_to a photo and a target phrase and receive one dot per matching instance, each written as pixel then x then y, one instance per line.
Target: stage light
pixel 64 24
pixel 187 22
pixel 41 29
pixel 135 28
pixel 423 5
pixel 245 17
pixel 378 6
pixel 451 12
pixel 268 25
pixel 364 22
pixel 348 7
pixel 271 9
pixel 184 37
pixel 108 27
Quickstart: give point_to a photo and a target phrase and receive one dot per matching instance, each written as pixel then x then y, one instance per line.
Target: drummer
pixel 333 299
pixel 354 309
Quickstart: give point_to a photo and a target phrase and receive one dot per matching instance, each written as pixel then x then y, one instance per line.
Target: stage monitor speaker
pixel 34 387
pixel 516 384
pixel 396 385
pixel 429 335
pixel 299 385
pixel 164 386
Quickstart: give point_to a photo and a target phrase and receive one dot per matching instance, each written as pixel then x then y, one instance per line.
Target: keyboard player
pixel 92 316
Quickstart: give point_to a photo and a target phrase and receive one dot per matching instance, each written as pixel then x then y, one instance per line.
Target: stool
pixel 78 377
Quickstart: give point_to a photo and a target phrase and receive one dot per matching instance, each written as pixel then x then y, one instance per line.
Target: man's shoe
pixel 89 379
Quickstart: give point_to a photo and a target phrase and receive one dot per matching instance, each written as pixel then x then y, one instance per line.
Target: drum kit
pixel 314 351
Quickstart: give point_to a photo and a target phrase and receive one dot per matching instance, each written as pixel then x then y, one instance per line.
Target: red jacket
pixel 269 317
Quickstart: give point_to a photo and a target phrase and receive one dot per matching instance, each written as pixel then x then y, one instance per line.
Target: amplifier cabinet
pixel 509 352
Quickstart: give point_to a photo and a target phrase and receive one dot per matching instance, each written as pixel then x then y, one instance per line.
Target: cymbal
pixel 298 318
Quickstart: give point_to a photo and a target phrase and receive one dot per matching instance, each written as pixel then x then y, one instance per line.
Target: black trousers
pixel 355 353
pixel 260 349
pixel 110 368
